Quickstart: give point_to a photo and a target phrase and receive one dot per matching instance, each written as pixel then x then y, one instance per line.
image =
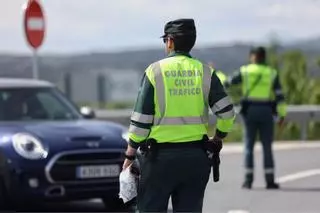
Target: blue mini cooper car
pixel 50 151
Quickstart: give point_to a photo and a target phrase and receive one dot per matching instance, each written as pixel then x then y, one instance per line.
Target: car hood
pixel 73 134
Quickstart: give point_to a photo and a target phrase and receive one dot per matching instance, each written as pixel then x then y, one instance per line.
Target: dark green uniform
pixel 177 165
pixel 181 173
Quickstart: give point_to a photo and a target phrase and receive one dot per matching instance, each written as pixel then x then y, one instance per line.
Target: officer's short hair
pixel 260 53
pixel 184 43
pixel 183 32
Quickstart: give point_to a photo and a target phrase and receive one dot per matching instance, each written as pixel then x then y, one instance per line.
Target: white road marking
pixel 239 148
pixel 238 211
pixel 298 175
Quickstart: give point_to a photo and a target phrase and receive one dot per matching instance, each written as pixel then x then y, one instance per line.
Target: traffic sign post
pixel 34 28
pixel 35 69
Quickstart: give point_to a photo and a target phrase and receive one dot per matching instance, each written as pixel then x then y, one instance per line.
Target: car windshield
pixel 22 104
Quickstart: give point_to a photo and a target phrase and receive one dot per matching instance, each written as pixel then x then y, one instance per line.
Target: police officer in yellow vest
pixel 171 115
pixel 263 100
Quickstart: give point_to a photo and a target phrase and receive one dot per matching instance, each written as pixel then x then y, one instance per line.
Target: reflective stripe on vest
pixel 139 131
pixel 222 103
pixel 160 91
pixel 142 118
pixel 178 120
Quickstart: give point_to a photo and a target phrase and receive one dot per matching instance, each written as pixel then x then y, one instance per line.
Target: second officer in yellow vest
pixel 172 112
pixel 263 100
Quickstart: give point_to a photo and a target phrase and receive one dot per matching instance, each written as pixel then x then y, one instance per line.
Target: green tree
pixel 299 87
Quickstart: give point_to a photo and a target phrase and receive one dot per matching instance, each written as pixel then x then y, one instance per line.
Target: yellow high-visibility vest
pixel 182 86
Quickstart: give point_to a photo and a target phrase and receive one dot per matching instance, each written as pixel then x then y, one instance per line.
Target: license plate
pixel 98 171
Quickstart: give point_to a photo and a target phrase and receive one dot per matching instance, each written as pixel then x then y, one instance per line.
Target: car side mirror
pixel 87 112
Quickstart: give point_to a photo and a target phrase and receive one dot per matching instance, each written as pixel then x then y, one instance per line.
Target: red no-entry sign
pixel 34 24
pixel 34 28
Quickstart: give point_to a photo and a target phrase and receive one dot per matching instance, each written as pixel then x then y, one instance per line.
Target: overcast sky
pixel 107 25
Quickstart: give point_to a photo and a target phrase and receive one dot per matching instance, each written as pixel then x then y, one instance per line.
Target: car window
pixel 55 109
pixel 34 104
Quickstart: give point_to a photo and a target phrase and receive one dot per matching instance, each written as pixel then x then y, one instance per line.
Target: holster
pixel 216 167
pixel 214 158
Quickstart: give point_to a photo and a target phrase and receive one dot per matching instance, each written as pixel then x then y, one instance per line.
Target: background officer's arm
pixel 221 105
pixel 234 79
pixel 143 113
pixel 279 97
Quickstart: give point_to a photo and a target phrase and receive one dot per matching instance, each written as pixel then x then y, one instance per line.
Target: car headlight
pixel 28 146
pixel 125 136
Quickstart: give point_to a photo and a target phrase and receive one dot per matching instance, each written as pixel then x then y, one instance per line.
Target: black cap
pixel 258 51
pixel 180 27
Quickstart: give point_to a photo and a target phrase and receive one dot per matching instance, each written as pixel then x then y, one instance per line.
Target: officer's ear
pixel 252 58
pixel 170 43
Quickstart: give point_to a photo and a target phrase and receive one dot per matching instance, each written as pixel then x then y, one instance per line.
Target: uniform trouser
pixel 259 121
pixel 181 174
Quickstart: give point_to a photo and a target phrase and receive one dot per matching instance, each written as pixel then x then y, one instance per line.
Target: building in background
pixel 99 87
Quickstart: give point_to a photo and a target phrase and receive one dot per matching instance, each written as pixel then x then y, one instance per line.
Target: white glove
pixel 128 185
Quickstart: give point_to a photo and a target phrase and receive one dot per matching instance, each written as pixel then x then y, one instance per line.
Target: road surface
pixel 297 169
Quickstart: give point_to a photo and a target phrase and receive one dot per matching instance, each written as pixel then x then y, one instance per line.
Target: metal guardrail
pixel 301 114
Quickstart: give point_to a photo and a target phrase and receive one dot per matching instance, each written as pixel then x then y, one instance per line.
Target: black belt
pixel 180 145
pixel 151 146
pixel 260 103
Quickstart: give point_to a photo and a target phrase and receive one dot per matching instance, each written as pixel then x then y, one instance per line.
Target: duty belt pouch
pixel 152 150
pixel 205 142
pixel 144 149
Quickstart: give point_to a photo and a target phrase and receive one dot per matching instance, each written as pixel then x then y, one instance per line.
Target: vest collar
pixel 176 53
pixel 261 63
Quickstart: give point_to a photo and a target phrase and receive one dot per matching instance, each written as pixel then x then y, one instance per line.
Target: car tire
pixel 116 204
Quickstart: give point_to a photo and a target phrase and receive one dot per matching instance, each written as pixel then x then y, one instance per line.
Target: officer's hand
pixel 281 121
pixel 126 164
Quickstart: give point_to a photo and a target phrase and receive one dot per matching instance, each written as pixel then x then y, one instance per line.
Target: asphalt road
pixel 297 169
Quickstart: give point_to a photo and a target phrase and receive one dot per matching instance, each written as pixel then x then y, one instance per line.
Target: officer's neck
pixel 175 53
pixel 259 63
